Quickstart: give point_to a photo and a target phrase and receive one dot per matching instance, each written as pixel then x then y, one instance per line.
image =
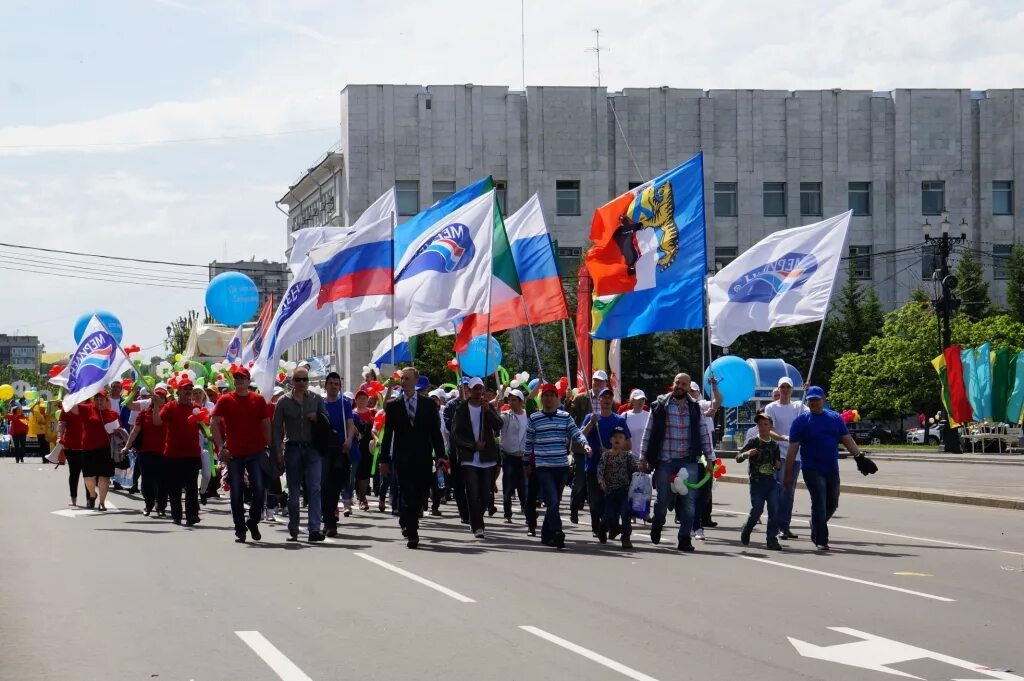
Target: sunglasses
pixel 300 380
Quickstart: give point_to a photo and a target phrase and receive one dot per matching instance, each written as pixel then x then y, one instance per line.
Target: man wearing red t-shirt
pixel 181 454
pixel 18 431
pixel 69 433
pixel 150 439
pixel 241 431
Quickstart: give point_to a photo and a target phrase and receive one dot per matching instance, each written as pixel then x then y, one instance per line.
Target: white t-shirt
pixel 476 418
pixel 133 415
pixel 710 422
pixel 783 416
pixel 637 424
pixel 513 434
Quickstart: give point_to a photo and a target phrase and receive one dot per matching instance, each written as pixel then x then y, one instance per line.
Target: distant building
pixel 21 352
pixel 271 278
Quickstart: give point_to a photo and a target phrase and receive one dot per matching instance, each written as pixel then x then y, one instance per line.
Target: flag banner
pixel 403 351
pixel 959 403
pixel 584 291
pixel 981 383
pixel 96 362
pixel 783 280
pixel 309 238
pixel 233 354
pixel 354 265
pixel 1015 402
pixel 1002 381
pixel 253 348
pixel 940 368
pixel 319 365
pixel 445 274
pixel 649 257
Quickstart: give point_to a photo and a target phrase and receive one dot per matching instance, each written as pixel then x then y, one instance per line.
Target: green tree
pixel 1015 283
pixel 178 331
pixel 972 288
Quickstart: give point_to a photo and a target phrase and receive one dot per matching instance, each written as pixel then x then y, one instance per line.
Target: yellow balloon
pixel 6 391
pixel 31 394
pixel 178 357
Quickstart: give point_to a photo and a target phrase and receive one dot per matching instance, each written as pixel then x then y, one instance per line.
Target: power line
pixel 72 269
pixel 136 282
pixel 153 143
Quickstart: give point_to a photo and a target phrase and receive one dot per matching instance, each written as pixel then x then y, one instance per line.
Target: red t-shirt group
pixel 242 418
pixel 153 436
pixel 94 421
pixel 182 441
pixel 19 426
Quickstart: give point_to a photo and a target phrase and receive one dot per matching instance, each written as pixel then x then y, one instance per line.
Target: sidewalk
pixel 935 456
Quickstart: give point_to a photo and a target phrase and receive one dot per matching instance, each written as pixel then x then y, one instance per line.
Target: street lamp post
pixel 947 303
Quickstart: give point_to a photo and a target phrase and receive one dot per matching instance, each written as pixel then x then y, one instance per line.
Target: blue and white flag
pixel 234 352
pixel 382 354
pixel 96 362
pixel 783 280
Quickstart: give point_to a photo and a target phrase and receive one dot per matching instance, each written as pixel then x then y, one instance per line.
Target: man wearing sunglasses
pixel 295 416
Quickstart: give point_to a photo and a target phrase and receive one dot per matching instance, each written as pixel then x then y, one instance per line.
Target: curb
pixel 878 456
pixel 1009 503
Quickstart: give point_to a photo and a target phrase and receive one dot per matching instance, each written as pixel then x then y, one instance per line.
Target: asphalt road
pixel 121 596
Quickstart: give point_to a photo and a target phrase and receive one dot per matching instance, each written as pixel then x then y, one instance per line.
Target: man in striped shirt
pixel 548 436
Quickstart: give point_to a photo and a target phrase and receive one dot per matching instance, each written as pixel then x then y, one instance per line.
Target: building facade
pixel 20 352
pixel 772 159
pixel 271 278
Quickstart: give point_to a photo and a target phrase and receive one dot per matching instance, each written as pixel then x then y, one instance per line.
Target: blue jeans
pixel 824 491
pixel 513 479
pixel 786 495
pixel 237 468
pixel 550 483
pixel 684 505
pixel 764 490
pixel 617 511
pixel 303 462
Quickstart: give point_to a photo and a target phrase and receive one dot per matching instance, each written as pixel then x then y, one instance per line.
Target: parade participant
pixel 295 416
pixel 702 515
pixel 97 465
pixel 69 435
pixel 637 417
pixel 181 454
pixel 584 403
pixel 676 438
pixel 598 427
pixel 765 459
pixel 18 430
pixel 439 490
pixel 548 435
pixel 412 439
pixel 367 442
pixel 336 464
pixel 150 462
pixel 614 475
pixel 783 412
pixel 38 422
pixel 472 437
pixel 457 482
pixel 816 435
pixel 241 431
pixel 514 423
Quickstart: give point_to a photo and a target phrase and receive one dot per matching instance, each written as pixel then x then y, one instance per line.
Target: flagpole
pixel 565 346
pixel 490 290
pixel 533 338
pixel 821 330
pixel 393 321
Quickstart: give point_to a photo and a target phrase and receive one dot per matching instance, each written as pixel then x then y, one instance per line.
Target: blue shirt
pixel 600 438
pixel 818 435
pixel 339 411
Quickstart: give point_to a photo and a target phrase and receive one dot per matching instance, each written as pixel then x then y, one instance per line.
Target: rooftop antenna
pixel 522 38
pixel 597 50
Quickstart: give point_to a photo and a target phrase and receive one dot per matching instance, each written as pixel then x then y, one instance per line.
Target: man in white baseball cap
pixel 783 412
pixel 637 417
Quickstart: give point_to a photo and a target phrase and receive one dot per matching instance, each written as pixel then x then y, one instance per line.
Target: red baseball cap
pixel 185 385
pixel 549 388
pixel 241 371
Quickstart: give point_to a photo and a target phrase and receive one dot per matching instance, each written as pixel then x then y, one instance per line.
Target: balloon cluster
pixel 850 416
pixel 199 416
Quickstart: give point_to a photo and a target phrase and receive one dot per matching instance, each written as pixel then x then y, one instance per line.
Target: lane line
pixel 589 654
pixel 285 669
pixel 844 578
pixel 416 578
pixel 894 534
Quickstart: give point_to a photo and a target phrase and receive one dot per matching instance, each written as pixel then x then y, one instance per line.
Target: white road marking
pixel 589 654
pixel 78 512
pixel 895 535
pixel 850 579
pixel 416 578
pixel 275 659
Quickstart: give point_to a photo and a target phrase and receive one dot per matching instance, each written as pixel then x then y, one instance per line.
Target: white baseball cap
pixel 785 380
pixel 516 392
pixel 600 376
pixel 475 381
pixel 694 385
pixel 637 394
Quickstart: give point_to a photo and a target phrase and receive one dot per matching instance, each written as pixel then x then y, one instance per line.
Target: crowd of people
pixel 426 447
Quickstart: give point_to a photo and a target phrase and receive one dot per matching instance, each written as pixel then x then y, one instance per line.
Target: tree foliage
pixel 972 288
pixel 1015 283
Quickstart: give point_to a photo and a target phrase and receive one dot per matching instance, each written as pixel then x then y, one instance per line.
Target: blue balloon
pixel 112 323
pixel 736 380
pixel 232 298
pixel 534 383
pixel 477 360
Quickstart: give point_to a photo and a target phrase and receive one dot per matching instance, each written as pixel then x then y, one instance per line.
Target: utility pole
pixel 947 303
pixel 597 50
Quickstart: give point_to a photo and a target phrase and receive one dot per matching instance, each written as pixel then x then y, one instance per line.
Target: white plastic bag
pixel 640 493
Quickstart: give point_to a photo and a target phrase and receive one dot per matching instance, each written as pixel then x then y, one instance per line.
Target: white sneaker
pixel 479 534
pixel 699 534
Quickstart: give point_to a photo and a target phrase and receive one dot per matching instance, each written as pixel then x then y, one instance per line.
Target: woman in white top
pixel 637 418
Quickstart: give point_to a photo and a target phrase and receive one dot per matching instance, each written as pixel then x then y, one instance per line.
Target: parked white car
pixel 915 436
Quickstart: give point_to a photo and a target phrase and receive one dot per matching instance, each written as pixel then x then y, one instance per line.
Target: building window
pixel 725 200
pixel 567 197
pixel 442 190
pixel 860 262
pixel 931 258
pixel 1000 260
pixel 810 198
pixel 724 255
pixel 933 197
pixel 774 199
pixel 501 195
pixel 407 197
pixel 1002 197
pixel 569 259
pixel 860 198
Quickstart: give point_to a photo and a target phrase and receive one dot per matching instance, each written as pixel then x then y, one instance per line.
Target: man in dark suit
pixel 412 438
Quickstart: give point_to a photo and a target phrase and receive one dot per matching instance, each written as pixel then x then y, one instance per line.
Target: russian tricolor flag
pixel 356 264
pixel 543 299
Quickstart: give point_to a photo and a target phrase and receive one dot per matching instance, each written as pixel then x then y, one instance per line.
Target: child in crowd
pixel 614 475
pixel 764 458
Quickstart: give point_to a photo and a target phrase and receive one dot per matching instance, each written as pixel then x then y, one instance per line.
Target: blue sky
pixel 96 96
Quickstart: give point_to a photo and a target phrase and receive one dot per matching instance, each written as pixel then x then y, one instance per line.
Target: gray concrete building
pixel 20 352
pixel 772 159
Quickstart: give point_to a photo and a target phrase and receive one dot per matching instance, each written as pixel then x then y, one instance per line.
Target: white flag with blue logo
pixel 96 362
pixel 445 274
pixel 783 280
pixel 234 352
